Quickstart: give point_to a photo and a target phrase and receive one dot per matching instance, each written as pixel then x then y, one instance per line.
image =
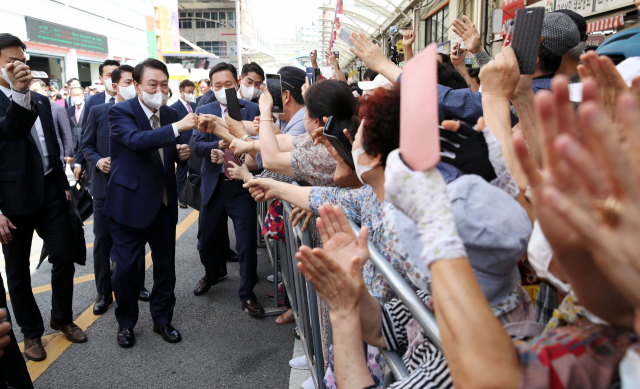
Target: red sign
pixel 595 40
pixel 339 9
pixel 509 8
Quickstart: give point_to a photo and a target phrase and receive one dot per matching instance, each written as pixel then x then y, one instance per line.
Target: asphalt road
pixel 222 347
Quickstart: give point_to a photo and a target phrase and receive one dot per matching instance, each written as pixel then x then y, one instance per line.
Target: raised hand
pixel 206 124
pixel 458 60
pixel 188 122
pixel 19 75
pixel 235 128
pixel 217 156
pixel 266 101
pixel 408 37
pixel 240 147
pixel 610 84
pixel 469 34
pixel 500 77
pixel 262 189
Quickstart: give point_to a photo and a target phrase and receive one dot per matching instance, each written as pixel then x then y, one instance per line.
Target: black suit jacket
pixel 17 122
pixel 76 127
pixel 95 146
pixel 21 171
pixel 206 98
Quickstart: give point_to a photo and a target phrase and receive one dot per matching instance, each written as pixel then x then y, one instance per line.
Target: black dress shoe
pixel 102 303
pixel 182 205
pixel 169 334
pixel 126 338
pixel 253 307
pixel 231 256
pixel 144 294
pixel 202 287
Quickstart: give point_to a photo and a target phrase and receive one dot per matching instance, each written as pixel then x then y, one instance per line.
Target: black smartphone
pixel 333 132
pixel 274 85
pixel 233 106
pixel 525 41
pixel 337 54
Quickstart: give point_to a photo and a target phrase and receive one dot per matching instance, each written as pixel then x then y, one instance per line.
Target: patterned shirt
pixel 313 164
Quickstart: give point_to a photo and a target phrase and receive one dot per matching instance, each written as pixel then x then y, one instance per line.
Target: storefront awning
pixel 605 24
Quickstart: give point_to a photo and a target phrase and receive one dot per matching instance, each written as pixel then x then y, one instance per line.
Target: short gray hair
pixel 577 51
pixel 76 87
pixel 38 81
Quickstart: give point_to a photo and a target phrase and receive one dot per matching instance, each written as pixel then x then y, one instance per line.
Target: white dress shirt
pixel 223 109
pixel 187 106
pixel 24 100
pixel 150 113
pixel 107 97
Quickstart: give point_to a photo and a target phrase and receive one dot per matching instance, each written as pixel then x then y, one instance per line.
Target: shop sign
pixel 588 8
pixel 595 39
pixel 55 34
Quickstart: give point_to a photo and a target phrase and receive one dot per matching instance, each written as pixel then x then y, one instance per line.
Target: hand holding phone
pixel 527 31
pixel 419 133
pixel 274 86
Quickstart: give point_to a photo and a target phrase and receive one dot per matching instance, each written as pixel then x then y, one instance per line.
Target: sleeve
pixel 350 200
pixel 483 58
pixel 90 140
pixel 313 164
pixel 22 99
pixel 203 145
pixel 65 132
pixel 395 317
pixel 504 179
pixel 17 123
pixel 461 104
pixel 124 130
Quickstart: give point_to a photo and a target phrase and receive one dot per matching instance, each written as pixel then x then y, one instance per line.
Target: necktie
pixel 36 139
pixel 189 108
pixel 112 99
pixel 156 124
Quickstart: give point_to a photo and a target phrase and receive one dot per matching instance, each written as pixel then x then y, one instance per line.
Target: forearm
pixel 528 121
pixel 371 320
pixel 350 363
pixel 408 53
pixel 294 195
pixel 336 68
pixel 272 157
pixel 470 329
pixel 473 85
pixel 248 127
pixel 314 63
pixel 390 70
pixel 497 116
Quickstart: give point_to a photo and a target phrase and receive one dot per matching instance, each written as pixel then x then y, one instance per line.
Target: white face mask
pixel 127 92
pixel 247 91
pixel 154 101
pixel 360 169
pixel 221 96
pixel 165 98
pixel 109 85
pixel 4 75
pixel 77 100
pixel 188 97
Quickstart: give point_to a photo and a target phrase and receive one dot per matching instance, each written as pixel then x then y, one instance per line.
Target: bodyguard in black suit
pixel 75 113
pixel 184 106
pixel 205 91
pixel 95 146
pixel 17 121
pixel 32 197
pixel 142 200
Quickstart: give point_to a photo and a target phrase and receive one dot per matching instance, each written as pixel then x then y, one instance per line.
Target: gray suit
pixel 63 130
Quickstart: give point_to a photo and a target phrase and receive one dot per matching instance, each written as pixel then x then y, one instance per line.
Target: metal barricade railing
pixel 304 301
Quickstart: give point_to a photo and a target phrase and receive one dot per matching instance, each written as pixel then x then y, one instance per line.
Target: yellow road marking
pixel 58 343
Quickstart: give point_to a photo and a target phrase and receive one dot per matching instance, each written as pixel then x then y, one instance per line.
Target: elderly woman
pixel 296 156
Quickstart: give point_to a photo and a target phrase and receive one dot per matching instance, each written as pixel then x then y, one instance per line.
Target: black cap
pixel 579 20
pixel 292 78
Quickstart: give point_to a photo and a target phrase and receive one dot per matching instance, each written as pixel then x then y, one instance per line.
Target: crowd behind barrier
pixel 304 300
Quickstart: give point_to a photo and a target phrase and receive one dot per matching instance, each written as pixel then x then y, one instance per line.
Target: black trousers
pixel 102 250
pixel 12 365
pixel 128 245
pixel 230 198
pixel 52 224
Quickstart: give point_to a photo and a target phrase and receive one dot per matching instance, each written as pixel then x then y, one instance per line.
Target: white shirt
pixel 107 97
pixel 150 113
pixel 223 108
pixel 187 106
pixel 24 100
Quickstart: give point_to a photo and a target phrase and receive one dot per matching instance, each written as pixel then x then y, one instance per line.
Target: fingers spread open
pixel 526 160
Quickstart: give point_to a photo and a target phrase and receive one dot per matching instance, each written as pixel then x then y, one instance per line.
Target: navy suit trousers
pixel 102 250
pixel 230 198
pixel 128 246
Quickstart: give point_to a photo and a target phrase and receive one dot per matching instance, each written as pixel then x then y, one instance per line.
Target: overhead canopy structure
pixel 371 17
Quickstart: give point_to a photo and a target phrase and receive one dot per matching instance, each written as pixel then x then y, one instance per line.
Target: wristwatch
pixel 24 92
pixel 244 137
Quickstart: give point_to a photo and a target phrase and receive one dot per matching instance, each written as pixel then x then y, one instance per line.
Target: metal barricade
pixel 304 301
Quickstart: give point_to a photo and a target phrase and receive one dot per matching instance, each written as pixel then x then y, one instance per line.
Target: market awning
pixel 605 24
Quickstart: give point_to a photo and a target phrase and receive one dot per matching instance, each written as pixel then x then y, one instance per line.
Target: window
pixel 218 48
pixel 206 15
pixel 201 24
pixel 234 48
pixel 214 16
pixel 232 20
pixel 223 20
pixel 183 14
pixel 198 14
pixel 186 23
pixel 437 25
pixel 185 47
pixel 190 14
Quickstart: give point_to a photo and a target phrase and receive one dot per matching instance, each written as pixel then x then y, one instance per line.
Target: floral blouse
pixel 312 164
pixel 363 207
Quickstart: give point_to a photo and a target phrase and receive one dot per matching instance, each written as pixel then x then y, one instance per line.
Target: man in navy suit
pixel 72 83
pixel 109 95
pixel 95 146
pixel 141 199
pixel 75 114
pixel 184 106
pixel 34 194
pixel 222 197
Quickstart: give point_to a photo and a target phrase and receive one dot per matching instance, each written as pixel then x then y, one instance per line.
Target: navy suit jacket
pixel 21 171
pixel 95 146
pixel 16 123
pixel 134 191
pixel 76 127
pixel 182 112
pixel 204 143
pixel 89 102
pixel 206 98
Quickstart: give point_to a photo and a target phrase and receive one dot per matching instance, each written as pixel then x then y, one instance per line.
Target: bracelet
pixel 245 177
pixel 266 119
pixel 24 92
pixel 244 137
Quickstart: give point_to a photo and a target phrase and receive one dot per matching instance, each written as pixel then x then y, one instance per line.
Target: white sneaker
pixel 270 278
pixel 299 363
pixel 308 384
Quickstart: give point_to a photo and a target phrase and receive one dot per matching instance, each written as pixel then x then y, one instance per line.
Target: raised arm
pixel 373 57
pixel 336 66
pixel 273 158
pixel 408 37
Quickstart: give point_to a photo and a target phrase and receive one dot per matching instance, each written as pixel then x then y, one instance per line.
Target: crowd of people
pixel 520 239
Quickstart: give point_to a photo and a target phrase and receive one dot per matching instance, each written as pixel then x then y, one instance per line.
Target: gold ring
pixel 611 210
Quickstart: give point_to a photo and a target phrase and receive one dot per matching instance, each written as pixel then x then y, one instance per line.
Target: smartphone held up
pixel 274 85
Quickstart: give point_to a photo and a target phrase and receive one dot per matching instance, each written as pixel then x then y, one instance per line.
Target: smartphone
pixel 333 131
pixel 233 106
pixel 525 41
pixel 274 85
pixel 337 54
pixel 311 75
pixel 419 133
